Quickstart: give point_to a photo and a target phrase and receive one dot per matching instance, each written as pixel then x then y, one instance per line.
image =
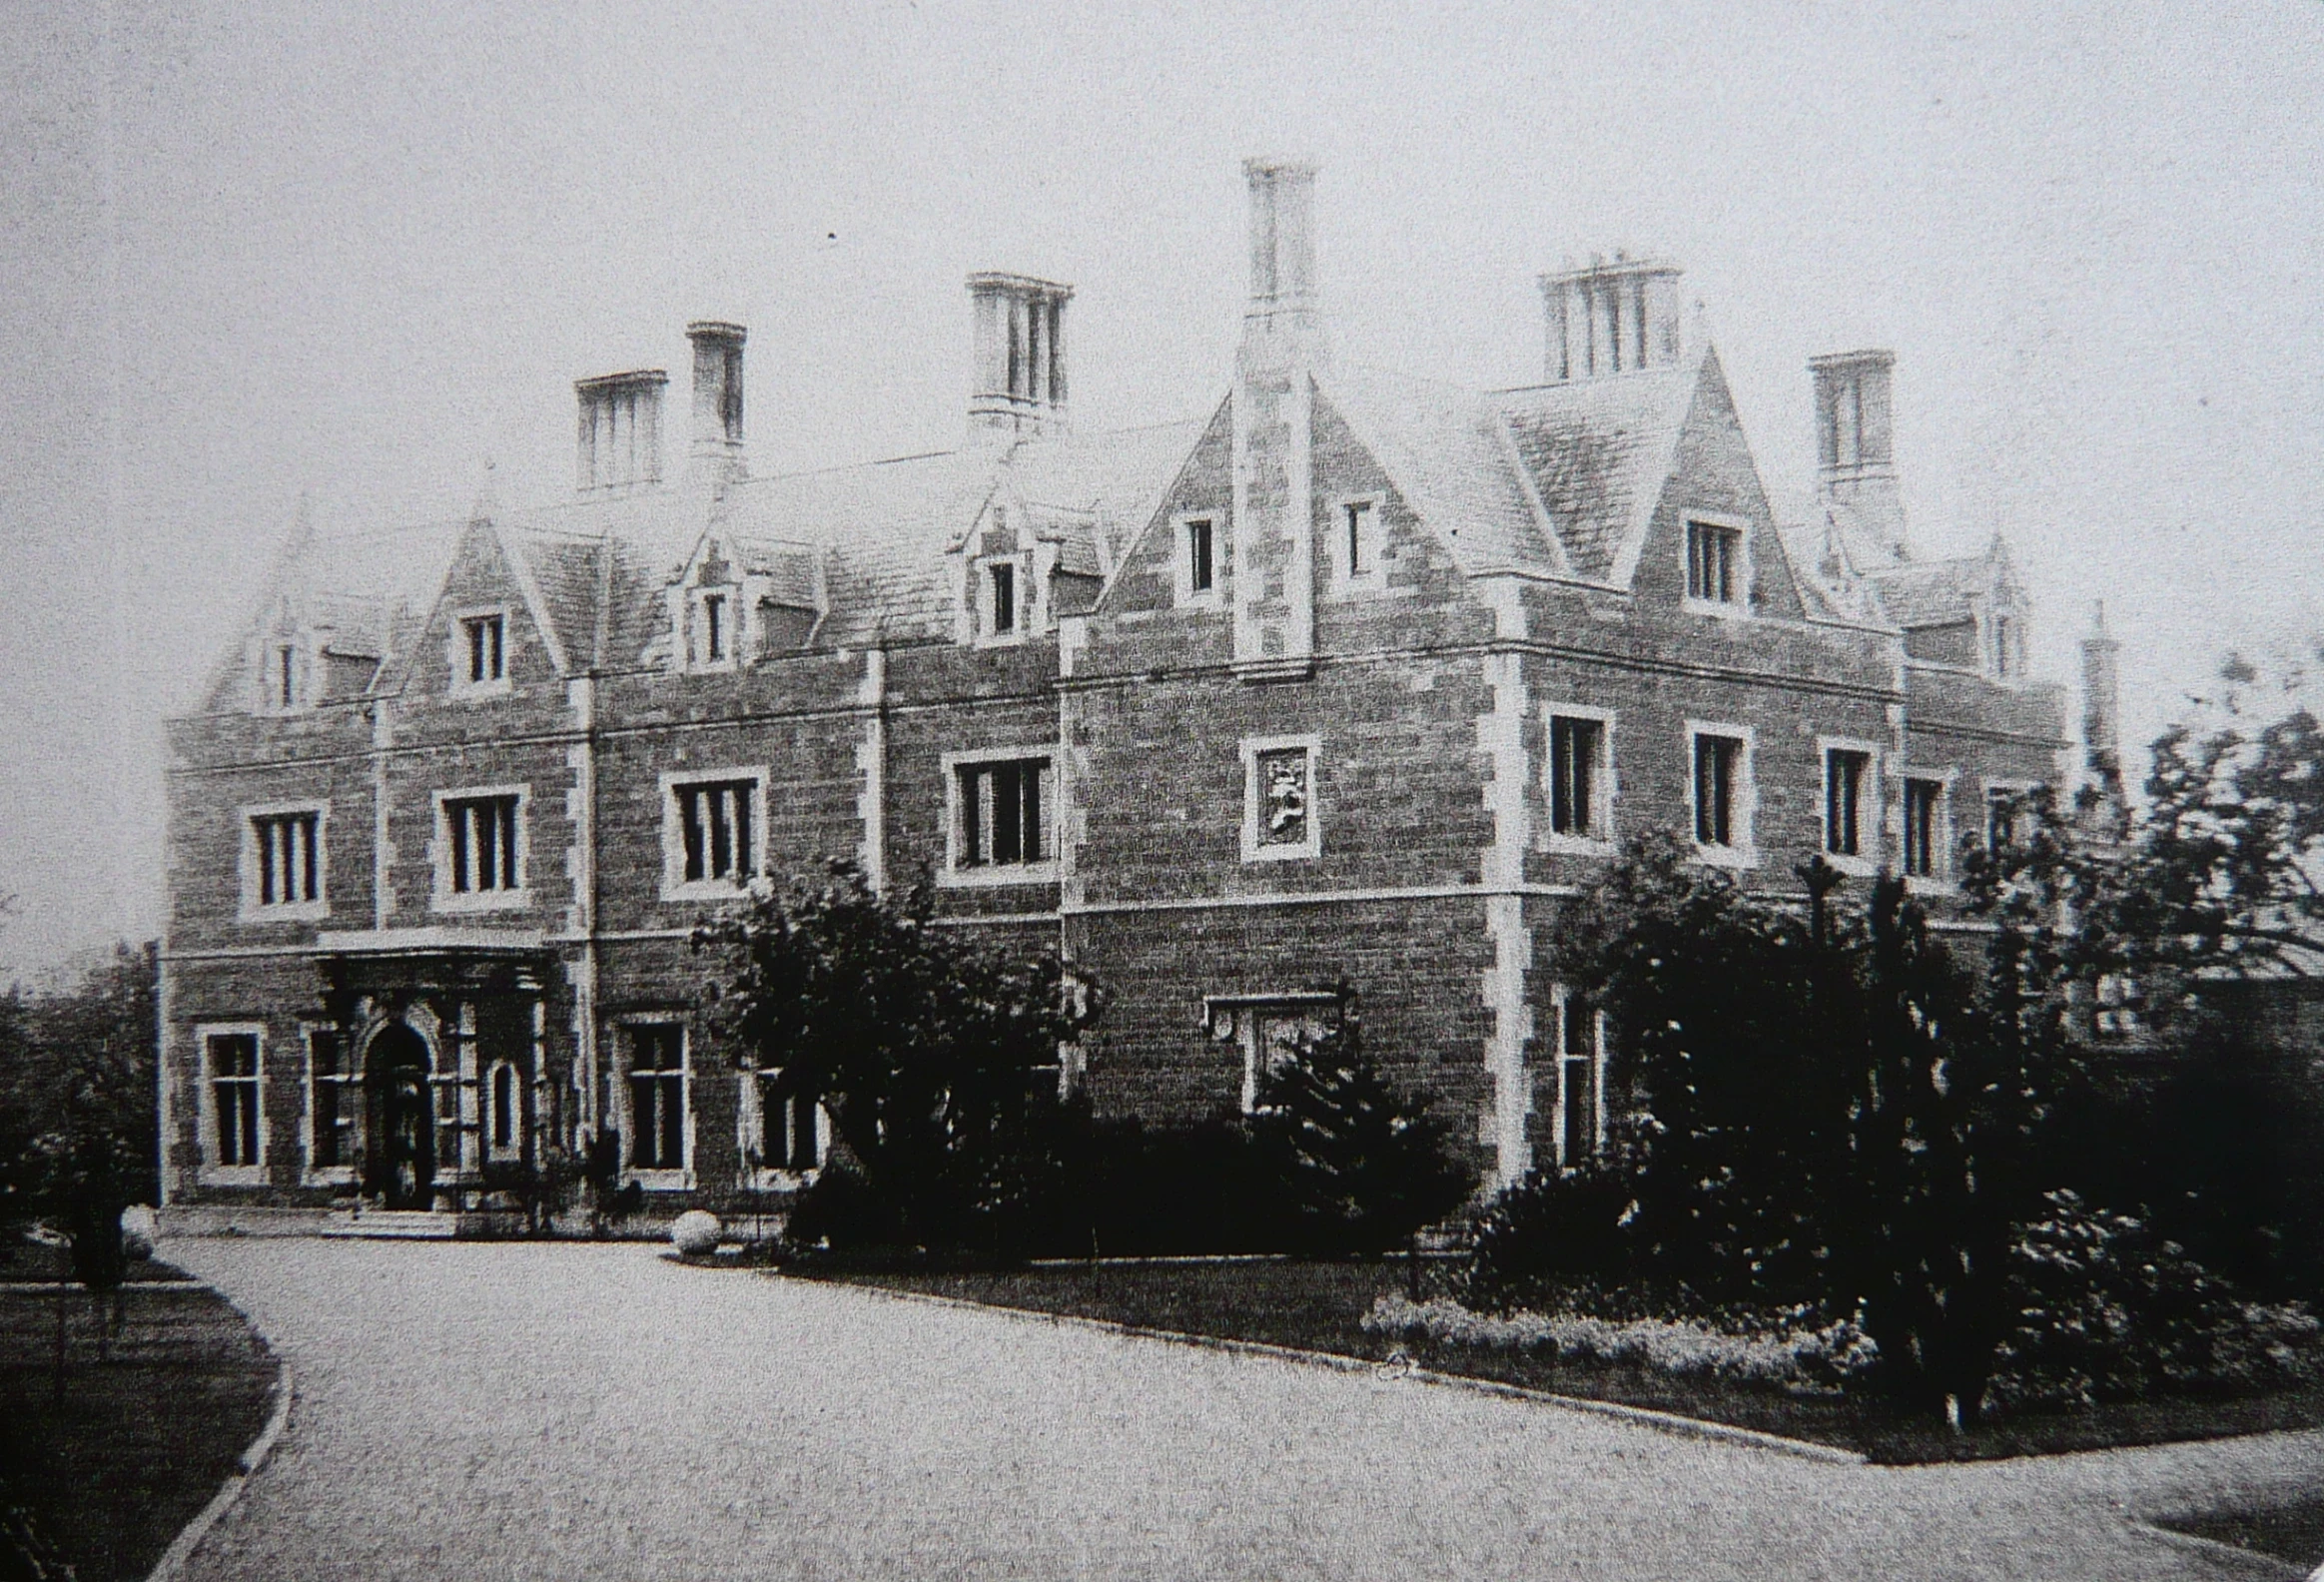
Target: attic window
pixel 1004 605
pixel 1714 562
pixel 1200 571
pixel 1358 549
pixel 714 626
pixel 287 676
pixel 488 655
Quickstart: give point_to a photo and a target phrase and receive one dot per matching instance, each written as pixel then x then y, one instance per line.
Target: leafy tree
pixel 921 1047
pixel 1363 1170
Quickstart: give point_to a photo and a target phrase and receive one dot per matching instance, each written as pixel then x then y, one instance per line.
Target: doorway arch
pixel 400 1159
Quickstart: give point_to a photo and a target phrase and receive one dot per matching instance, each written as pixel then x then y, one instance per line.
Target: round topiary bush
pixel 138 1233
pixel 696 1232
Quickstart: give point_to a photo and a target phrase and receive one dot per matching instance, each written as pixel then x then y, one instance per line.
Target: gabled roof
pixel 1452 458
pixel 1924 593
pixel 1598 452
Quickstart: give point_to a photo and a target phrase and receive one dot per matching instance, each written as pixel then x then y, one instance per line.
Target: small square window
pixel 710 835
pixel 1280 819
pixel 1001 814
pixel 283 864
pixel 1714 570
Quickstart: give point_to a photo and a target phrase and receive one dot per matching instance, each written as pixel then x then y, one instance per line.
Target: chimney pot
pixel 717 438
pixel 1855 450
pixel 1019 382
pixel 620 432
pixel 1282 326
pixel 1613 316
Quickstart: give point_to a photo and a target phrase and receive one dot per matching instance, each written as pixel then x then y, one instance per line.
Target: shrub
pixel 2108 1310
pixel 1547 1235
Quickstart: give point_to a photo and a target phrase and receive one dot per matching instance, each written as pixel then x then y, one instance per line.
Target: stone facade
pixel 1348 682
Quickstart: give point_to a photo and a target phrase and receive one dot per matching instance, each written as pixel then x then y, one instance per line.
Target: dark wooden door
pixel 402 1167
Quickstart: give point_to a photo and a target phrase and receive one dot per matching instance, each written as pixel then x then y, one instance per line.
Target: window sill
pixel 479 691
pixel 699 891
pixel 1308 852
pixel 328 1176
pixel 1732 857
pixel 1854 867
pixel 1718 609
pixel 1576 846
pixel 662 1181
pixel 295 912
pixel 231 1175
pixel 483 900
pixel 996 875
pixel 782 1180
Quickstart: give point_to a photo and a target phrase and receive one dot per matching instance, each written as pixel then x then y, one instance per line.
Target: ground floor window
pixel 1266 1029
pixel 329 1102
pixel 1581 1079
pixel 793 1131
pixel 232 1060
pixel 1923 821
pixel 503 1110
pixel 658 1097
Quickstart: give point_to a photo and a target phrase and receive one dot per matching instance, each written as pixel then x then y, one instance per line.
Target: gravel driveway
pixel 476 1412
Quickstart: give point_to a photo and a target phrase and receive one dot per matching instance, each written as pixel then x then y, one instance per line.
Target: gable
pixel 484 576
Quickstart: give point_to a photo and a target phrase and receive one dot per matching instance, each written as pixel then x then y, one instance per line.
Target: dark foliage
pixel 1360 1169
pixel 1548 1236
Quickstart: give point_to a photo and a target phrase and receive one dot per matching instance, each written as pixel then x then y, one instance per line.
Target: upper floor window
pixel 1579 777
pixel 658 1097
pixel 1715 569
pixel 481 848
pixel 2119 1011
pixel 2008 638
pixel 2001 808
pixel 1722 793
pixel 710 833
pixel 713 635
pixel 1279 814
pixel 479 651
pixel 1924 827
pixel 1000 815
pixel 285 676
pixel 1198 560
pixel 1358 548
pixel 282 859
pixel 1000 602
pixel 1847 828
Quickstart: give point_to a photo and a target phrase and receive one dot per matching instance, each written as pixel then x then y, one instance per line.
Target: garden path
pixel 479 1411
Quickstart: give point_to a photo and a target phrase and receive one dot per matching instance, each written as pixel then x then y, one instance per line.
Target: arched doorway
pixel 401 1157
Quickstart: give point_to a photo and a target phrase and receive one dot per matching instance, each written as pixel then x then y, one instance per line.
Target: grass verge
pixel 141 1441
pixel 2289 1532
pixel 1319 1308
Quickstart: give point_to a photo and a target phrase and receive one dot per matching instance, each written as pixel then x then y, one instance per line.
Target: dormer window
pixel 1717 575
pixel 2008 647
pixel 1003 600
pixel 714 636
pixel 479 652
pixel 287 676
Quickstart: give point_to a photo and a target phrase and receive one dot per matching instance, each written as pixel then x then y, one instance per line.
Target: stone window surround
pixel 1374 536
pixel 1871 806
pixel 494 1150
pixel 981 875
pixel 750 1139
pixel 675 886
pixel 1941 840
pixel 348 1083
pixel 207 1171
pixel 1561 1002
pixel 1235 1019
pixel 456 651
pixel 443 897
pixel 684 1178
pixel 1737 607
pixel 1602 802
pixel 734 629
pixel 1024 616
pixel 1743 851
pixel 1253 748
pixel 1183 593
pixel 249 909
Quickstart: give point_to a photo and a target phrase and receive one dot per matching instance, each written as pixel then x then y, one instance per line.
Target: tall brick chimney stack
pixel 717 455
pixel 1019 384
pixel 620 430
pixel 2101 710
pixel 1283 326
pixel 1856 462
pixel 1612 317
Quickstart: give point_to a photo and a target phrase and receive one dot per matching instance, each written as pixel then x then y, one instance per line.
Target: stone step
pixel 402 1224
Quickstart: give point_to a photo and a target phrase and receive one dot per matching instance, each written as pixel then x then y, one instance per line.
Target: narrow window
pixel 714 626
pixel 287 675
pixel 1578 1081
pixel 504 1106
pixel 287 850
pixel 2004 655
pixel 1717 760
pixel 330 1119
pixel 234 1097
pixel 1923 804
pixel 1002 813
pixel 714 823
pixel 790 1129
pixel 1844 777
pixel 1198 569
pixel 1576 748
pixel 481 835
pixel 1003 600
pixel 2001 818
pixel 1714 554
pixel 657 1098
pixel 487 660
pixel 1359 551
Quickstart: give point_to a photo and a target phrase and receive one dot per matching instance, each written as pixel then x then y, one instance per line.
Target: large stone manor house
pixel 1351 678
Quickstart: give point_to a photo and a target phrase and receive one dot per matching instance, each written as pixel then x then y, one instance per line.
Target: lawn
pixel 140 1441
pixel 1319 1308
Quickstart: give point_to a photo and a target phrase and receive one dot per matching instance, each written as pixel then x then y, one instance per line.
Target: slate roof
pixel 1598 452
pixel 1924 593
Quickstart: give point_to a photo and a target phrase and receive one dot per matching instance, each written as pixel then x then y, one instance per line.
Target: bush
pixel 2108 1311
pixel 1547 1235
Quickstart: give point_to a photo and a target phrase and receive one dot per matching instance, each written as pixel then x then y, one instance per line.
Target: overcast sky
pixel 359 251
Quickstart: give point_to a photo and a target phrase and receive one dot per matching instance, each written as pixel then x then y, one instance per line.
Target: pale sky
pixel 357 250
